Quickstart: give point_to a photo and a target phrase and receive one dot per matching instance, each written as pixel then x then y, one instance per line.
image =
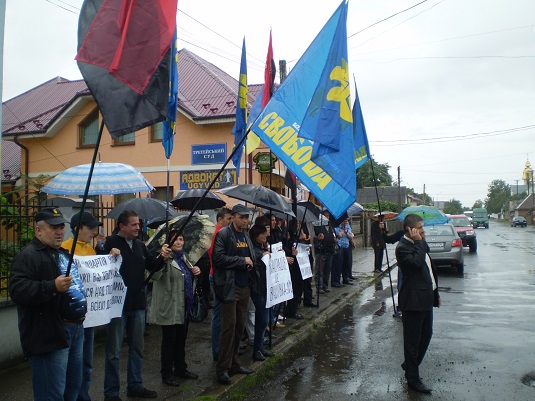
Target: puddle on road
pixel 528 379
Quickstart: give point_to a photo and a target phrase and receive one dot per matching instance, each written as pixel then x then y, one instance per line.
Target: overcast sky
pixel 447 88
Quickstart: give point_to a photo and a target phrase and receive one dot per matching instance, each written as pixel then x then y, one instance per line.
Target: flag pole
pixel 84 198
pixel 386 249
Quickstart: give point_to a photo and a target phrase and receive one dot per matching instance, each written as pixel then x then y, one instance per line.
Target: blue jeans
pixel 134 324
pixel 57 375
pixel 89 344
pixel 216 323
pixel 261 319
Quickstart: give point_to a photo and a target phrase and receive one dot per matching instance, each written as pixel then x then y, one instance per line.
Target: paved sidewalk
pixel 15 384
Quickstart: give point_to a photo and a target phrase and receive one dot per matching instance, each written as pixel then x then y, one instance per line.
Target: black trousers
pixel 378 265
pixel 173 351
pixel 297 288
pixel 417 333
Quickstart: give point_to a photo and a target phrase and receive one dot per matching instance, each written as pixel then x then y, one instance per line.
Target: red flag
pixel 129 38
pixel 269 75
pixel 123 54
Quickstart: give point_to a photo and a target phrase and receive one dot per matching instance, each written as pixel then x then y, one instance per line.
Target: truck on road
pixel 480 217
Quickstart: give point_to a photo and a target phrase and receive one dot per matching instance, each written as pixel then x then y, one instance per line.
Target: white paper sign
pixel 304 261
pixel 279 281
pixel 103 286
pixel 276 247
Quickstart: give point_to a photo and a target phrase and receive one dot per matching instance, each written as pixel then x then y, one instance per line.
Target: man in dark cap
pixel 51 309
pixel 88 230
pixel 232 259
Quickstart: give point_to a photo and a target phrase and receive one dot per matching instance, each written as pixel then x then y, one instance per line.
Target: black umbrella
pixel 158 221
pixel 310 207
pixel 259 196
pixel 145 208
pixel 186 200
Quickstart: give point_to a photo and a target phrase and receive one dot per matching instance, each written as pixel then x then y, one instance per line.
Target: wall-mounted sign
pixel 202 179
pixel 209 153
pixel 265 161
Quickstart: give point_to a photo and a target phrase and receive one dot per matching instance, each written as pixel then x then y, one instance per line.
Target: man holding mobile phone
pixel 417 297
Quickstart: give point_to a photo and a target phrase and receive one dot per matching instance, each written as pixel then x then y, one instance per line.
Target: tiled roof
pixel 35 110
pixel 205 93
pixel 10 161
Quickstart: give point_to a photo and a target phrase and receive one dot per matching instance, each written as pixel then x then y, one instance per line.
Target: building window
pixel 160 193
pixel 122 197
pixel 88 130
pixel 156 132
pixel 128 139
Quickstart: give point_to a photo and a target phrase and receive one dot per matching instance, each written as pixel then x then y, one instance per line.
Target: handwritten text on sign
pixel 304 261
pixel 104 287
pixel 279 281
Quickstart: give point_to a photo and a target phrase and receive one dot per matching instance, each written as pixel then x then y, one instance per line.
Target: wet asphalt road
pixel 483 346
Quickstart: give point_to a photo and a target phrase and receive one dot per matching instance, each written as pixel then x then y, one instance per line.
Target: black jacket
pixel 416 292
pixel 32 287
pixel 326 245
pixel 226 261
pixel 135 261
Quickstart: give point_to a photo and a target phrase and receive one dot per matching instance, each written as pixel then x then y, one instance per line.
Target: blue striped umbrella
pixel 107 179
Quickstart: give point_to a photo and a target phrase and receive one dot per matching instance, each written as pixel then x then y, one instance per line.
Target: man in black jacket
pixel 232 259
pixel 136 258
pixel 417 297
pixel 51 309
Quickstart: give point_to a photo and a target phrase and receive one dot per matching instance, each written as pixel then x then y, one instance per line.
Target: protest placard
pixel 103 286
pixel 279 281
pixel 304 261
pixel 276 247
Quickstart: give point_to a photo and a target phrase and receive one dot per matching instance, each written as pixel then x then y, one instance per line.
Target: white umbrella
pixel 107 179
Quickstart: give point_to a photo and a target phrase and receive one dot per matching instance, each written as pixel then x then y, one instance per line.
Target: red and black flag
pixel 123 54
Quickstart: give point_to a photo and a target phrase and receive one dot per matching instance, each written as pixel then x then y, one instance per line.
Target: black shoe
pixel 188 375
pixel 113 398
pixel 223 377
pixel 311 305
pixel 336 285
pixel 145 393
pixel 403 366
pixel 267 354
pixel 241 371
pixel 352 278
pixel 258 356
pixel 298 316
pixel 326 290
pixel 378 271
pixel 171 381
pixel 420 387
pixel 347 283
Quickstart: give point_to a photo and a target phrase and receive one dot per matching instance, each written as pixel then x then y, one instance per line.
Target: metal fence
pixel 17 230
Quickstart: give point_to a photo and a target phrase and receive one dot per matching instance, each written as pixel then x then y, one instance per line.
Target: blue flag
pixel 169 124
pixel 240 126
pixel 360 139
pixel 302 103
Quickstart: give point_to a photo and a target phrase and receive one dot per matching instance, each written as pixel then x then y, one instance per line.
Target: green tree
pixel 453 206
pixel 365 176
pixel 498 195
pixel 478 203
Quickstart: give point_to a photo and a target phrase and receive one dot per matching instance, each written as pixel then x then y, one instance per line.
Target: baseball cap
pixel 87 220
pixel 241 209
pixel 50 215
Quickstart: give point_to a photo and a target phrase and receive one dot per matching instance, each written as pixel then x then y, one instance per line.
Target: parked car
pixel 519 221
pixel 465 230
pixel 445 246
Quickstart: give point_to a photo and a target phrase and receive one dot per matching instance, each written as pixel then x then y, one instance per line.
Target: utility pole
pixel 425 203
pixel 399 190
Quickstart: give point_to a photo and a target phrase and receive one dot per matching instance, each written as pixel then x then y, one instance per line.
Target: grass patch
pixel 204 398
